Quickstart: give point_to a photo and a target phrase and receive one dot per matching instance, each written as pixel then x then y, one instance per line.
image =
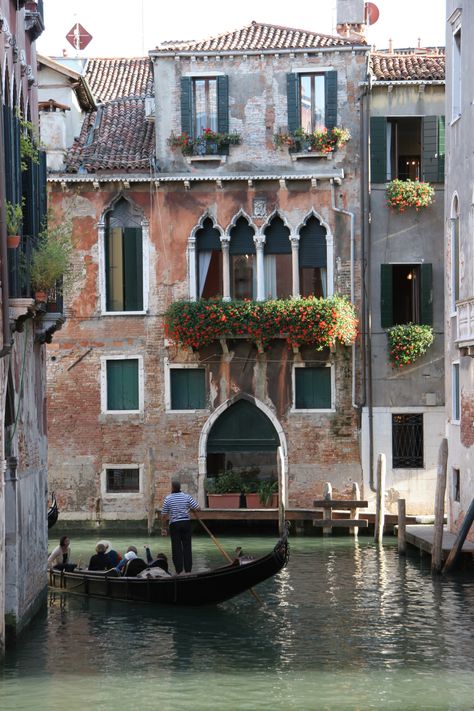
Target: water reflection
pixel 348 625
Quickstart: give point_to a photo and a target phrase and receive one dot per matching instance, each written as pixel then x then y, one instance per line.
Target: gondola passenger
pixel 60 557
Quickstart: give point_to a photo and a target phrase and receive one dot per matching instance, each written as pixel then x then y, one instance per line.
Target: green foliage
pixel 29 150
pixel 402 194
pixel 51 257
pixel 14 217
pixel 229 482
pixel 322 140
pixel 408 342
pixel 321 322
pixel 208 142
pixel 266 489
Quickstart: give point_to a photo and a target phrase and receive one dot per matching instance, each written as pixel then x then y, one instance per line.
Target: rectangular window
pixel 407 441
pixel 406 294
pixel 456 414
pixel 312 388
pixel 188 388
pixel 456 484
pixel 278 275
pixel 122 384
pixel 456 69
pixel 122 481
pixel 204 105
pixel 243 276
pixel 456 251
pixel 124 269
pixel 404 148
pixel 312 102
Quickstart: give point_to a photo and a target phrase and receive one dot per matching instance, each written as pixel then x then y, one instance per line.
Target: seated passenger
pixel 131 553
pixel 61 555
pixel 113 556
pixel 161 561
pixel 100 560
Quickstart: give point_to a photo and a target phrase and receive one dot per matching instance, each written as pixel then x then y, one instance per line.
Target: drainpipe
pixel 7 338
pixel 350 214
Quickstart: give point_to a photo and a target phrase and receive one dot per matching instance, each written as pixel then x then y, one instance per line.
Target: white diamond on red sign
pixel 78 36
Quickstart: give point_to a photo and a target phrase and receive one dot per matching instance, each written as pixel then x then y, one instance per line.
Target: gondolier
pixel 176 508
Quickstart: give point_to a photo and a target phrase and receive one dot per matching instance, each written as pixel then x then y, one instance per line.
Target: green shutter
pixel 293 100
pixel 122 384
pixel 133 269
pixel 223 104
pixel 313 388
pixel 187 105
pixel 386 295
pixel 426 294
pixel 188 388
pixel 441 148
pixel 429 156
pixel 330 91
pixel 378 149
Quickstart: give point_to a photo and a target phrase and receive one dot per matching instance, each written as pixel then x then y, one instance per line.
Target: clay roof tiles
pixel 110 78
pixel 415 66
pixel 258 37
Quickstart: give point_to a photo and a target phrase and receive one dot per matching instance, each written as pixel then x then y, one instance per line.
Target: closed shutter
pixel 378 149
pixel 42 190
pixel 133 269
pixel 208 237
pixel 241 238
pixel 426 294
pixel 293 100
pixel 122 384
pixel 187 105
pixel 313 388
pixel 312 246
pixel 386 295
pixel 188 390
pixel 433 149
pixel 330 90
pixel 277 238
pixel 223 104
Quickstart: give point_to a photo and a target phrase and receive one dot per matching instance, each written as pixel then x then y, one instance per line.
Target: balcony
pixel 34 18
pixel 465 326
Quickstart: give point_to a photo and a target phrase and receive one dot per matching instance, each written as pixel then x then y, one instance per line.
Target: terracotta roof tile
pixel 407 67
pixel 257 37
pixel 111 78
pixel 115 137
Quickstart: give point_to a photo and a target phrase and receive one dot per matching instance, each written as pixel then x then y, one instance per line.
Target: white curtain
pixel 204 261
pixel 324 280
pixel 270 276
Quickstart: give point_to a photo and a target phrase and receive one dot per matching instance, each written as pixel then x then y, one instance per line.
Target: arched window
pixel 313 258
pixel 123 259
pixel 209 256
pixel 243 277
pixel 455 254
pixel 277 251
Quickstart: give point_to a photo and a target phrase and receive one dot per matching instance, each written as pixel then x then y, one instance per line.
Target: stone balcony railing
pixel 465 325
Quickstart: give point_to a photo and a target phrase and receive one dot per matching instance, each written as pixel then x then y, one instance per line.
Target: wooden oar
pixel 224 553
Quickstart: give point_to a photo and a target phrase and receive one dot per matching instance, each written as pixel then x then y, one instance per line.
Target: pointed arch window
pixel 313 258
pixel 209 261
pixel 243 275
pixel 277 263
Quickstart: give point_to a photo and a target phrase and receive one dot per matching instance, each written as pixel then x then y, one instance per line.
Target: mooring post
pixel 354 530
pixel 455 551
pixel 402 527
pixel 327 495
pixel 437 547
pixel 379 499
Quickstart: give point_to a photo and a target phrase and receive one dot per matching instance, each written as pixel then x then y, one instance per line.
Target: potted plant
pixel 224 491
pixel 14 219
pixel 407 342
pixel 268 493
pixel 51 258
pixel 402 194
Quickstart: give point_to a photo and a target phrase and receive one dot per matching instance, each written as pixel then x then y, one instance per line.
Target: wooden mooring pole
pixel 380 499
pixel 437 547
pixel 455 551
pixel 402 527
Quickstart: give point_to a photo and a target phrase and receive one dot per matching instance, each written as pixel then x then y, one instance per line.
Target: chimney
pixel 350 19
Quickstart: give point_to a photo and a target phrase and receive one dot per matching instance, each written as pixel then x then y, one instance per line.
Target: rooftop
pixel 417 66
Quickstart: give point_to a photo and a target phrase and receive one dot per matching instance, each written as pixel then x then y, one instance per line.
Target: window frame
pixel 455 393
pixel 103 382
pixel 408 414
pixel 322 410
pixel 456 71
pixel 119 494
pixel 425 308
pixel 455 224
pixel 456 484
pixel 168 366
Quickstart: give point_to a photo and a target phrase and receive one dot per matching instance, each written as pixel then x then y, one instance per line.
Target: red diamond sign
pixel 78 37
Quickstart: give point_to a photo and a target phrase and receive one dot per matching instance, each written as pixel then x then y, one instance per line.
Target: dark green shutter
pixel 386 295
pixel 223 104
pixel 133 269
pixel 188 388
pixel 432 162
pixel 293 100
pixel 426 294
pixel 187 105
pixel 378 149
pixel 313 388
pixel 330 91
pixel 122 384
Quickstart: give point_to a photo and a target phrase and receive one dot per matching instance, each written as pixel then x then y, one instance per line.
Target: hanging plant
pixel 320 322
pixel 407 342
pixel 402 194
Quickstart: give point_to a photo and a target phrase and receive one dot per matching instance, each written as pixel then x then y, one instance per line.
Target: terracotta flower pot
pixel 223 501
pixel 13 241
pixel 253 501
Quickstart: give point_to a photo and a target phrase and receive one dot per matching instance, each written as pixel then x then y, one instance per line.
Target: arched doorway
pixel 243 434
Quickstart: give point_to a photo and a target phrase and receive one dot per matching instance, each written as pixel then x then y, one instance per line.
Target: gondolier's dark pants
pixel 180 532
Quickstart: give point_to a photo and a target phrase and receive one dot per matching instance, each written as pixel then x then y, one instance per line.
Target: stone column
pixel 259 246
pixel 192 268
pixel 225 242
pixel 295 267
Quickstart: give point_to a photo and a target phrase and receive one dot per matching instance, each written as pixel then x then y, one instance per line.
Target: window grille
pixel 407 441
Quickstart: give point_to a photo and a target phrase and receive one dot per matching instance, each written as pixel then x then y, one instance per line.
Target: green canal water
pixel 347 626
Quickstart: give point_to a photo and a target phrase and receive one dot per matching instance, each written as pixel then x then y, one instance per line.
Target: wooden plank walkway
pixel 421 536
pixel 293 514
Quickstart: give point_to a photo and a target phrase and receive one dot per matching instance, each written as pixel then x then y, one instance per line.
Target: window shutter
pixel 433 148
pixel 187 389
pixel 223 104
pixel 293 99
pixel 187 105
pixel 313 388
pixel 426 294
pixel 122 384
pixel 312 247
pixel 386 295
pixel 330 90
pixel 378 149
pixel 133 269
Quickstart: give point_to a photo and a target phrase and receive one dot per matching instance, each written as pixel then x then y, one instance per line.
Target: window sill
pixel 169 411
pixel 310 154
pixel 309 411
pixel 211 158
pixel 124 313
pixel 119 495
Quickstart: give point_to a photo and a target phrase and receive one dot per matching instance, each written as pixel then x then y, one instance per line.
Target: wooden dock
pixel 421 537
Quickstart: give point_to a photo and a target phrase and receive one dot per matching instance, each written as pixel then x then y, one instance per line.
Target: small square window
pixel 122 481
pixel 188 388
pixel 313 388
pixel 407 441
pixel 456 484
pixel 122 384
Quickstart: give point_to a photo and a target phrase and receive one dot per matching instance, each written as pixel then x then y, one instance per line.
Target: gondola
pixel 200 588
pixel 53 511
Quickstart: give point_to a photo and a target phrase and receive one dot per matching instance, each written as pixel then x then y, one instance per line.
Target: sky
pixel 127 28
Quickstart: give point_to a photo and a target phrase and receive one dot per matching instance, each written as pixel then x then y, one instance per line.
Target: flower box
pixel 402 194
pixel 223 501
pixel 318 143
pixel 253 501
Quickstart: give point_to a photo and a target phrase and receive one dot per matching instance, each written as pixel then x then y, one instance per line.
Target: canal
pixel 347 626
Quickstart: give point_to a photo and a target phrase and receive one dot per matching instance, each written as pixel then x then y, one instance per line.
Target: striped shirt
pixel 177 506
